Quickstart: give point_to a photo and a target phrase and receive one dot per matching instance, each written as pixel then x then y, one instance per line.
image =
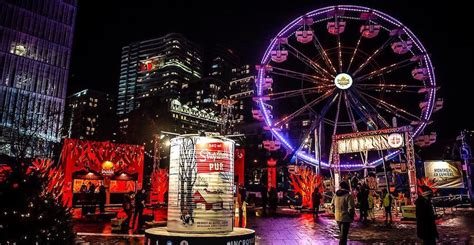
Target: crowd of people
pixel 344 206
pixel 91 197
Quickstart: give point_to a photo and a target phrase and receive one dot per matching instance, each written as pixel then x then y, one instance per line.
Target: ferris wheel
pixel 343 69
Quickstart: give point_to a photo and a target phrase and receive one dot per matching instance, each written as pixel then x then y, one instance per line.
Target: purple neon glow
pixel 292 27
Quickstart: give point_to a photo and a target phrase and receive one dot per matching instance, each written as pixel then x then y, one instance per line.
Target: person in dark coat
pixel 273 199
pixel 128 208
pixel 91 198
pixel 264 193
pixel 425 217
pixel 139 206
pixel 316 199
pixel 102 198
pixel 363 199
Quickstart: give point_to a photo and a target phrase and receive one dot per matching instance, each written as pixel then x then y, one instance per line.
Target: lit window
pixel 18 49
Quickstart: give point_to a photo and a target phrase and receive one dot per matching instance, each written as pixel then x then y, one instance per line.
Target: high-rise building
pixel 156 68
pixel 203 93
pixel 241 89
pixel 222 61
pixel 90 115
pixel 35 49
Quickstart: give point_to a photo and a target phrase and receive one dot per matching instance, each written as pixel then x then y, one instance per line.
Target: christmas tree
pixel 31 209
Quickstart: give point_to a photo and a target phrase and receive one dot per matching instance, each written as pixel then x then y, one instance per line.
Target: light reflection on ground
pixel 455 228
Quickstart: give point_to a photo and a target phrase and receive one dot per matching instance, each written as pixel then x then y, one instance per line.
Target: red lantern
pixel 271 162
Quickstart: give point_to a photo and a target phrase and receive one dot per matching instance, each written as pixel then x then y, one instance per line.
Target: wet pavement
pixel 454 228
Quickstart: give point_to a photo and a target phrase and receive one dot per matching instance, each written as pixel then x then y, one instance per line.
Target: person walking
pixel 102 198
pixel 363 200
pixel 127 209
pixel 425 217
pixel 140 198
pixel 273 200
pixel 264 193
pixel 316 198
pixel 344 210
pixel 370 211
pixel 387 200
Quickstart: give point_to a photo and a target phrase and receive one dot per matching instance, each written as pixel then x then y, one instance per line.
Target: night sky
pixel 102 28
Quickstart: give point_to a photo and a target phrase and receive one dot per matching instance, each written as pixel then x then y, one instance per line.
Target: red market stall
pixel 119 167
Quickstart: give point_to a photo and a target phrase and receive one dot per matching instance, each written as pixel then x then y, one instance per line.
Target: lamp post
pixel 466 156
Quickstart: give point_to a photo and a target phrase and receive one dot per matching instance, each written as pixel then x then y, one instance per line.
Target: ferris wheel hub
pixel 343 81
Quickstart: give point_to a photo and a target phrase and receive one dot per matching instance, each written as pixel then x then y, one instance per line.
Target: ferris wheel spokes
pixel 396 88
pixel 384 70
pixel 299 75
pixel 298 92
pixel 365 112
pixel 308 62
pixel 323 54
pixel 391 107
pixel 341 73
pixel 374 110
pixel 304 108
pixel 374 54
pixel 354 54
pixel 339 51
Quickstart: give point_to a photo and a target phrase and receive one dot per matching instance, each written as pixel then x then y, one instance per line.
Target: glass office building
pixel 35 49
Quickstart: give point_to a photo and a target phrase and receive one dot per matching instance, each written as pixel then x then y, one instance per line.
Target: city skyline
pixel 209 24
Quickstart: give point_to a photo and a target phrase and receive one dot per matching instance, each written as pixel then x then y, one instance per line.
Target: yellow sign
pixel 445 174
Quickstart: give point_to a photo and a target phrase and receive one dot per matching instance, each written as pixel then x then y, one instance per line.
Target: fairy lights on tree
pixel 305 181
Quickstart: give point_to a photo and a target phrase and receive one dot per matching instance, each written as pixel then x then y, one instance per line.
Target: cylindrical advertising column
pixel 201 178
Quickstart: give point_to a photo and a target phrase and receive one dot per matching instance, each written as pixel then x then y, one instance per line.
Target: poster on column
pixel 445 174
pixel 200 185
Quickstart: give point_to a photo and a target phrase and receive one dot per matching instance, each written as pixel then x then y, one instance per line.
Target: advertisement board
pixel 370 143
pixel 201 178
pixel 444 174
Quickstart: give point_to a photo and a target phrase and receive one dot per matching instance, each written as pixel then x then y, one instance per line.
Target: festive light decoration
pixel 425 181
pixel 31 211
pixel 159 184
pixel 305 182
pixel 348 12
pixel 99 160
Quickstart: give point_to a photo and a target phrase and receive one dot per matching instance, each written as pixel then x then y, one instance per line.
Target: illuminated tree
pixel 426 182
pixel 305 181
pixel 31 210
pixel 159 183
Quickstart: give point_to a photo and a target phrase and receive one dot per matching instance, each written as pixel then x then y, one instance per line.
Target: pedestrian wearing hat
pixel 425 217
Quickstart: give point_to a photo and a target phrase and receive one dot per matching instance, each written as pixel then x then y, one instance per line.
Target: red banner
pixel 212 157
pixel 239 165
pixel 272 177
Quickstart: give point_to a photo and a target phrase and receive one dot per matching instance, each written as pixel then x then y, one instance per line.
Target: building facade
pixel 241 89
pixel 158 67
pixel 35 50
pixel 203 93
pixel 90 115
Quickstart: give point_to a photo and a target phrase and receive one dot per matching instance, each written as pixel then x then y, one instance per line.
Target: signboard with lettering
pixel 445 174
pixel 370 143
pixel 201 179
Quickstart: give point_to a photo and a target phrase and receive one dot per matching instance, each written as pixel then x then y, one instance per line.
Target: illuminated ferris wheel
pixel 343 69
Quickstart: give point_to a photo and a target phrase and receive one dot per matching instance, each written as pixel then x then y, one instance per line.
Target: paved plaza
pixel 454 227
